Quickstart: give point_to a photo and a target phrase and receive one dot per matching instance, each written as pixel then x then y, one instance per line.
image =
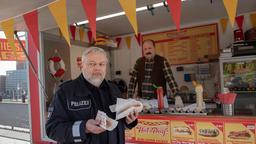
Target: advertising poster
pixel 6 53
pixel 129 134
pixel 239 133
pixel 182 132
pixel 209 132
pixel 155 131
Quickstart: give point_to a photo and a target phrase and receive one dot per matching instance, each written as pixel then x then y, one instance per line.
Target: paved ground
pixel 5 140
pixel 14 114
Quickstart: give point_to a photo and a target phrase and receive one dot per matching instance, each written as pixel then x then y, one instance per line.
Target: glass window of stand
pixel 239 76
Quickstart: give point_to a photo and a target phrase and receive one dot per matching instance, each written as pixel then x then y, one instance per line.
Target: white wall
pixel 124 58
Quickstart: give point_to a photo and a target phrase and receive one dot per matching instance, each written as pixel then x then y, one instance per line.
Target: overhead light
pixel 121 13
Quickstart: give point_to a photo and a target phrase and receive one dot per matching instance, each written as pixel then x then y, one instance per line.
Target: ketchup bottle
pixel 160 98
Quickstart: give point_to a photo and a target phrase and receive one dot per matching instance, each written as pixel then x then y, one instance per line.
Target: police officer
pixel 73 110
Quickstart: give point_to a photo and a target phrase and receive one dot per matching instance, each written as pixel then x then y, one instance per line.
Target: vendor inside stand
pixel 151 71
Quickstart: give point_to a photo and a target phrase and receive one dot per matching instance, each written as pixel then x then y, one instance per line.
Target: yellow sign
pixel 183 132
pixel 189 45
pixel 129 134
pixel 157 131
pixel 239 133
pixel 7 54
pixel 209 132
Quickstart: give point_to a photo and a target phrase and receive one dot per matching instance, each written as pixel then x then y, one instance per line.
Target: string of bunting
pixel 58 10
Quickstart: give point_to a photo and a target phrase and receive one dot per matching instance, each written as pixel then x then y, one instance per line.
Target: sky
pixel 7 65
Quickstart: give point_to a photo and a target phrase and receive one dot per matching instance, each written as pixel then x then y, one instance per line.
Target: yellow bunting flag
pixel 81 33
pixel 129 7
pixel 224 22
pixel 8 29
pixel 59 12
pixel 253 19
pixel 231 6
pixel 128 41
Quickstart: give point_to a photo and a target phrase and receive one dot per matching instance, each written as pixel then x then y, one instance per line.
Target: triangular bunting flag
pixel 231 6
pixel 138 38
pixel 89 34
pixel 8 29
pixel 72 29
pixel 81 33
pixel 224 22
pixel 175 7
pixel 240 21
pixel 90 10
pixel 31 20
pixel 118 40
pixel 253 19
pixel 128 41
pixel 129 7
pixel 59 12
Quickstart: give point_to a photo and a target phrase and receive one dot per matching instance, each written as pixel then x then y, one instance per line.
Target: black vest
pixel 157 73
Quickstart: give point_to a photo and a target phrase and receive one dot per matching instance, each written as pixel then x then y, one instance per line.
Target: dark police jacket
pixel 72 106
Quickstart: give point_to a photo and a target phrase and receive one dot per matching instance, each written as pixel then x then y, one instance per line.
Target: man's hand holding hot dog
pixel 131 117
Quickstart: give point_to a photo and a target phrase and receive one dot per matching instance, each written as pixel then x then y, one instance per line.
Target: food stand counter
pixel 190 129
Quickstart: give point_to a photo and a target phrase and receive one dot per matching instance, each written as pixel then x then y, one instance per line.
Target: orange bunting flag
pixel 253 19
pixel 59 12
pixel 223 23
pixel 31 20
pixel 128 42
pixel 72 29
pixel 60 33
pixel 118 40
pixel 240 21
pixel 129 7
pixel 231 6
pixel 175 10
pixel 8 29
pixel 81 33
pixel 138 38
pixel 90 10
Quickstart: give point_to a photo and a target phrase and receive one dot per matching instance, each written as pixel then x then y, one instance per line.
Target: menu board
pixel 129 134
pixel 182 132
pixel 209 132
pixel 156 131
pixel 189 45
pixel 239 133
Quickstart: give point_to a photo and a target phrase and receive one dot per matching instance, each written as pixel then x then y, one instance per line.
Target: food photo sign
pixel 182 132
pixel 239 133
pixel 209 132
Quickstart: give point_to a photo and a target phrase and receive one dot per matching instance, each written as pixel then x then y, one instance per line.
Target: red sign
pixel 6 53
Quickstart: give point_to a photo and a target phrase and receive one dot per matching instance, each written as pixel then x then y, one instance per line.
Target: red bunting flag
pixel 90 10
pixel 89 34
pixel 73 31
pixel 240 21
pixel 138 38
pixel 31 20
pixel 175 10
pixel 118 40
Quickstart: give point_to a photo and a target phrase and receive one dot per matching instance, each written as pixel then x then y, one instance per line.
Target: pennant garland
pixel 128 42
pixel 31 20
pixel 81 33
pixel 240 21
pixel 253 19
pixel 175 7
pixel 90 10
pixel 60 33
pixel 72 29
pixel 59 12
pixel 138 38
pixel 129 7
pixel 8 29
pixel 89 34
pixel 118 40
pixel 231 6
pixel 224 22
